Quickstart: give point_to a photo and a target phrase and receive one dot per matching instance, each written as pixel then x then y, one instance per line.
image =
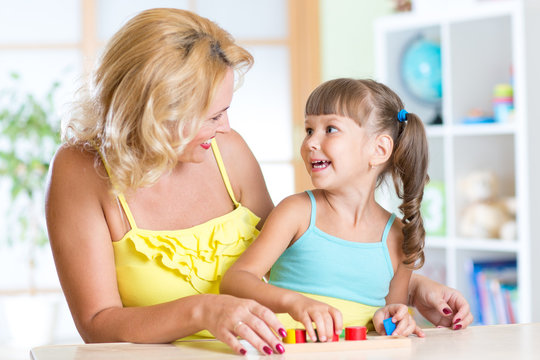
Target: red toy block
pixel 355 333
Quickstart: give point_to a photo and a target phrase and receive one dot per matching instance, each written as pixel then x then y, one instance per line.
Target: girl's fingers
pixel 306 320
pixel 401 327
pixel 399 312
pixel 377 320
pixel 405 326
pixel 419 332
pixel 328 326
pixel 337 319
pixel 320 323
pixel 411 327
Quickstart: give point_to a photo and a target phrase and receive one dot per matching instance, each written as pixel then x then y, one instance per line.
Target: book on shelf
pixel 494 290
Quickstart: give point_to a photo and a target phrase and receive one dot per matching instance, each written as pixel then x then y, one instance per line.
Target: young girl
pixel 338 258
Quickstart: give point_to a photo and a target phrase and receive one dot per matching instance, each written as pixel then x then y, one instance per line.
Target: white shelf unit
pixel 479 46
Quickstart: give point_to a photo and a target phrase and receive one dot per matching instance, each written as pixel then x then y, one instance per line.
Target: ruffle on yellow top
pixel 158 266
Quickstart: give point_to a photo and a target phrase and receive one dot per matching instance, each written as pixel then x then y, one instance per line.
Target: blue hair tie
pixel 402 115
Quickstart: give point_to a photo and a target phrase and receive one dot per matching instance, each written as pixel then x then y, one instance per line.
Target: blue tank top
pixel 321 264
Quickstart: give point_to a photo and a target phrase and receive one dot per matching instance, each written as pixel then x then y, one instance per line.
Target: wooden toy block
pixel 300 336
pixel 291 337
pixel 355 333
pixel 372 342
pixel 389 326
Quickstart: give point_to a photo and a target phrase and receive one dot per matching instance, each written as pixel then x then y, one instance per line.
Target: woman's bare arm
pixel 82 248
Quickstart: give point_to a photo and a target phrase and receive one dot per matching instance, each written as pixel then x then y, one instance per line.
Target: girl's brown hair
pixel 155 81
pixel 375 106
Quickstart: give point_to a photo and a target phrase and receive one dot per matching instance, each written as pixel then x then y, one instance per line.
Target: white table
pixel 508 342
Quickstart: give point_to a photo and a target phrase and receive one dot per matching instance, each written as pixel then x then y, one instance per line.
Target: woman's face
pixel 215 121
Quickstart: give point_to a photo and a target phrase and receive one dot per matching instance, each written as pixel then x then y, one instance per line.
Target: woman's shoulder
pixel 77 166
pixel 74 158
pixel 232 144
pixel 237 156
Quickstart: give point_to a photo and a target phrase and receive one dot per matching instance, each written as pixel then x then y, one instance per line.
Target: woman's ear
pixel 383 146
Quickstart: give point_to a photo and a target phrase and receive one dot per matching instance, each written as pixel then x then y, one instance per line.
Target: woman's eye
pixel 216 118
pixel 331 129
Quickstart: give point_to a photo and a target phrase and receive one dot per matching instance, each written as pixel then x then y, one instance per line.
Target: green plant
pixel 29 136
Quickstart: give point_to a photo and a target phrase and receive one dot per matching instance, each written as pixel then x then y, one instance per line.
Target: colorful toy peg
pixel 300 335
pixel 389 326
pixel 355 333
pixel 291 337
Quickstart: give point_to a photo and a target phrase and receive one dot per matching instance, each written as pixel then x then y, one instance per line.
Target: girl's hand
pixel 228 317
pixel 328 320
pixel 405 324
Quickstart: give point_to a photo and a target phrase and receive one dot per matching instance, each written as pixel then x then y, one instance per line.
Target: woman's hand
pixel 405 324
pixel 228 317
pixel 439 304
pixel 328 320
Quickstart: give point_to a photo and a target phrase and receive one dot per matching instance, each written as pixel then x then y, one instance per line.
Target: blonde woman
pixel 153 197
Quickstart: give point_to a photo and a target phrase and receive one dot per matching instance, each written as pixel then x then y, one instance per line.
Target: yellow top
pixel 154 266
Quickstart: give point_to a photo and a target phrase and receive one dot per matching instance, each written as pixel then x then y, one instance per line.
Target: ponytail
pixel 409 172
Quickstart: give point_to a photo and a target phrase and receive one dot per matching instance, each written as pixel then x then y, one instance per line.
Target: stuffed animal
pixel 486 215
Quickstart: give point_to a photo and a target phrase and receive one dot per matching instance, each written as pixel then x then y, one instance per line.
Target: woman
pixel 152 197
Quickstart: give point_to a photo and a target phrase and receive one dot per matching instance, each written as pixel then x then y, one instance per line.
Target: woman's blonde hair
pixel 375 106
pixel 154 83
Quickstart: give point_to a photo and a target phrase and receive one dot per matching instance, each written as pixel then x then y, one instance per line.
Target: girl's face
pixel 216 121
pixel 336 151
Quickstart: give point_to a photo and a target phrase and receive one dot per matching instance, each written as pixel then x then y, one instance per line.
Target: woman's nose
pixel 224 125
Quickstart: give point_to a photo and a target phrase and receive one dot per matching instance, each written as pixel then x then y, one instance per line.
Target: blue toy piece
pixel 389 326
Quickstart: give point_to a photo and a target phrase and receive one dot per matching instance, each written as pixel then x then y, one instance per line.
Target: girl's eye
pixel 331 129
pixel 309 131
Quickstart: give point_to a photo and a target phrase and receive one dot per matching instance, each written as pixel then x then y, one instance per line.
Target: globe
pixel 421 70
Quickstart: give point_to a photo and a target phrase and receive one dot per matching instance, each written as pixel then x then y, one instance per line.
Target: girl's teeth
pixel 320 164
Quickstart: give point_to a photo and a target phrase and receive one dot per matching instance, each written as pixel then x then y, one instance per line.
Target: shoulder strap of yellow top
pixel 121 197
pixel 224 175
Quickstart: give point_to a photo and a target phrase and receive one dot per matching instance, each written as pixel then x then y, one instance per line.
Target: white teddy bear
pixel 486 215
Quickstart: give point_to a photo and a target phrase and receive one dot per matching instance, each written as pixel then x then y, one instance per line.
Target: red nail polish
pixel 280 349
pixel 457 320
pixel 447 311
pixel 267 350
pixel 243 351
pixel 282 332
pixel 457 327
